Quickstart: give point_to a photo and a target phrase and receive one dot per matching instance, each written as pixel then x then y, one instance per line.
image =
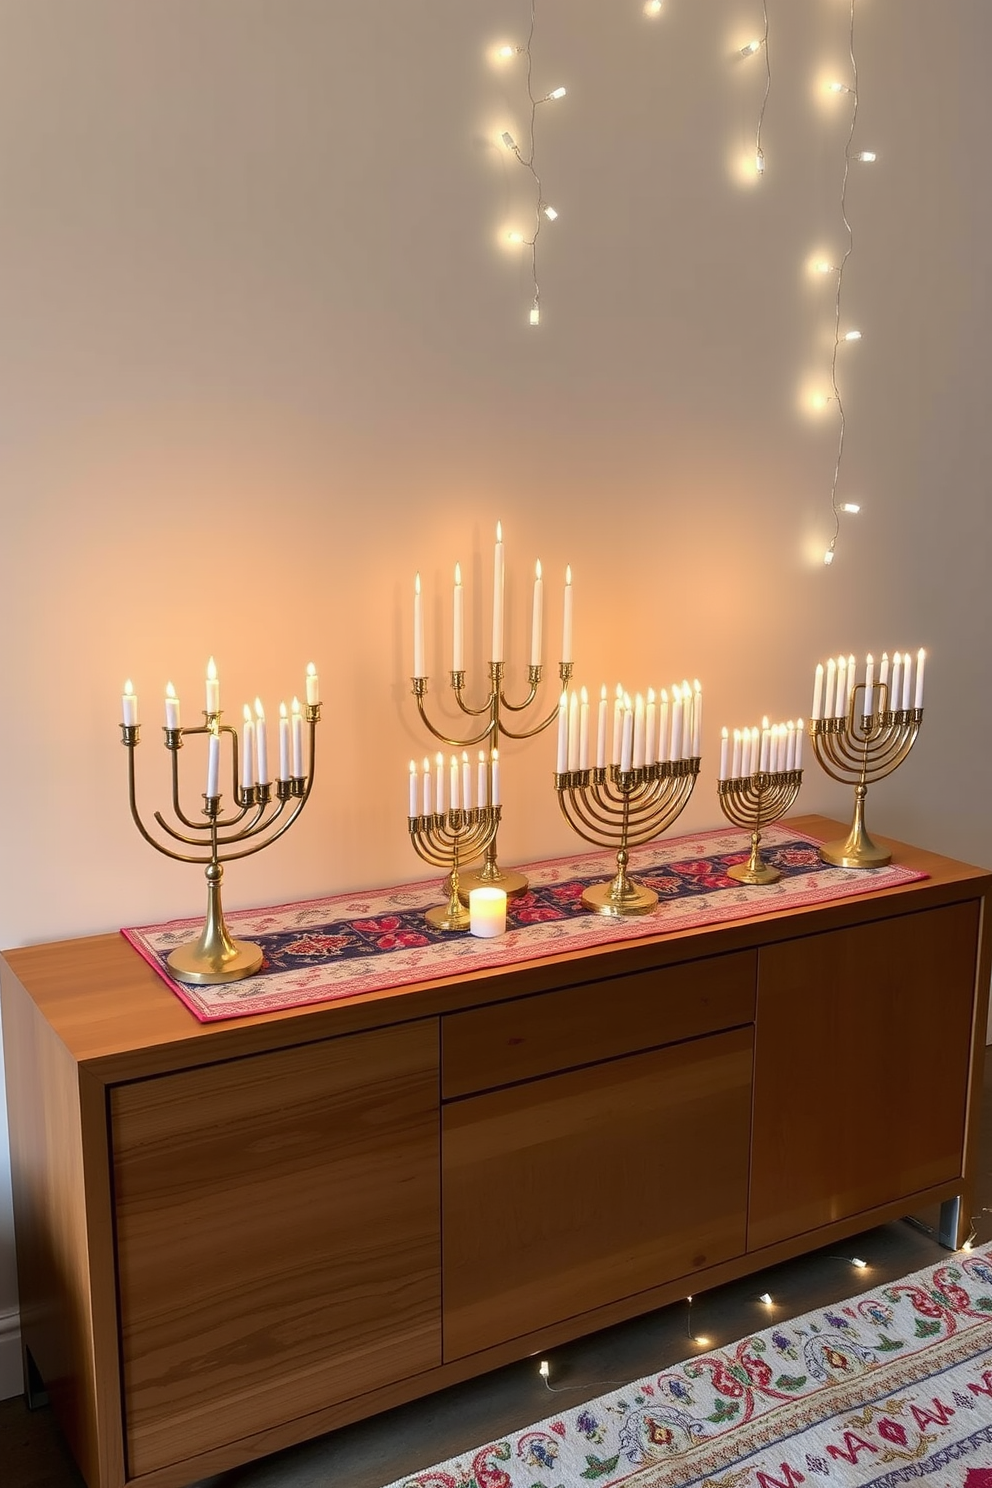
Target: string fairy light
pixel 543 210
pixel 750 49
pixel 851 336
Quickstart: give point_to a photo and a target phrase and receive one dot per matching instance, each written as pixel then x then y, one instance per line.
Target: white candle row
pixel 834 684
pixel 458 617
pixel 427 787
pixel 646 731
pixel 129 700
pixel 773 747
pixel 254 743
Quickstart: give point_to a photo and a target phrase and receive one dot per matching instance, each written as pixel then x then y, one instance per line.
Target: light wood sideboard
pixel 232 1237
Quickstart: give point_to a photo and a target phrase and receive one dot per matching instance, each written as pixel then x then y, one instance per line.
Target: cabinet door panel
pixel 278 1235
pixel 862 1053
pixel 567 1193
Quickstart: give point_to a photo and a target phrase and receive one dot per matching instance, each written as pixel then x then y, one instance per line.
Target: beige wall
pixel 263 356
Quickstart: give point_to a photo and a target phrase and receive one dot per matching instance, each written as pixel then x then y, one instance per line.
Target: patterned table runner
pixel 323 949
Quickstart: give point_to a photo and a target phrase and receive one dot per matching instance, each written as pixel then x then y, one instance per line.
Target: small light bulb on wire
pixel 828 556
pixel 652 7
pixel 836 87
pixel 759 162
pixel 850 507
pixel 822 267
pixel 525 156
pixel 766 1298
pixel 852 335
pixel 859 1263
pixel 867 157
pixel 750 49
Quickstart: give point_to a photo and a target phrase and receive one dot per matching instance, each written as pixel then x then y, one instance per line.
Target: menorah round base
pixel 745 874
pixel 510 882
pixel 635 898
pixel 858 853
pixel 443 917
pixel 188 963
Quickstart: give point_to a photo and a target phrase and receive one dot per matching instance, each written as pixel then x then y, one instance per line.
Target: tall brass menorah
pixel 497 715
pixel 263 810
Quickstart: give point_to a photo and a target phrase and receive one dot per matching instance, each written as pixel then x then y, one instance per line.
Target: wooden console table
pixel 235 1236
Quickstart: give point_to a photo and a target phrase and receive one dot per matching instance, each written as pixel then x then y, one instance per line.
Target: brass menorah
pixel 609 805
pixel 263 812
pixel 494 708
pixel 859 749
pixel 752 802
pixel 447 839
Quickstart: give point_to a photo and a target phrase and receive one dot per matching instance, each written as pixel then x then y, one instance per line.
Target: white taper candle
pixel 537 617
pixel 261 744
pixel 296 724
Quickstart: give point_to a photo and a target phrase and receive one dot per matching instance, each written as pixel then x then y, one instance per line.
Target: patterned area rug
pixel 892 1387
pixel 356 943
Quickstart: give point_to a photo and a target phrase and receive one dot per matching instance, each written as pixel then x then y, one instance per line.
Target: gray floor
pixel 374 1453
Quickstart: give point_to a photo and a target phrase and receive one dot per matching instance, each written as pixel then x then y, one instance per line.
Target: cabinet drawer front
pixel 565 1194
pixel 278 1231
pixel 488 1047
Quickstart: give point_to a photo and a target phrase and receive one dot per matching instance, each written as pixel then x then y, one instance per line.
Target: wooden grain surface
pixel 115 1014
pixel 64 1257
pixel 278 1236
pixel 530 1036
pixel 862 1060
pixel 565 1193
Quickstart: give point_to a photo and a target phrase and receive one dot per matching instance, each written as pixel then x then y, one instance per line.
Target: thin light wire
pixel 527 161
pixel 759 154
pixel 842 429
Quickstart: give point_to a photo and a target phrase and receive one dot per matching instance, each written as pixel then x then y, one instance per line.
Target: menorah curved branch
pixel 216 956
pixel 446 839
pixel 494 708
pixel 752 802
pixel 611 807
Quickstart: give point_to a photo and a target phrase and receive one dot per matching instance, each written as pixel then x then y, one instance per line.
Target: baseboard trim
pixel 11 1376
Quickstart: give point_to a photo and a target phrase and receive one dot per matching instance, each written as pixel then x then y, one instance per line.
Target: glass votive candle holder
pixel 487 911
